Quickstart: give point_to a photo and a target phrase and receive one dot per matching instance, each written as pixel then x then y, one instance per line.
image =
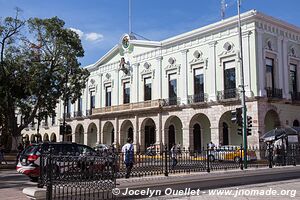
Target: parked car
pixel 29 159
pixel 101 147
pixel 230 153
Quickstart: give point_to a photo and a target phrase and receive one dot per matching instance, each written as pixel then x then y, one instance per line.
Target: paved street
pixel 285 190
pixel 12 184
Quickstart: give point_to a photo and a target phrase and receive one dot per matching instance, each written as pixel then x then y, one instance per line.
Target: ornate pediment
pixel 293 52
pixel 147 70
pixel 92 85
pixel 172 66
pixel 198 58
pixel 228 50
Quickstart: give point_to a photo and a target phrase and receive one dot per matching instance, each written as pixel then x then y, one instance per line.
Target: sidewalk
pixel 202 180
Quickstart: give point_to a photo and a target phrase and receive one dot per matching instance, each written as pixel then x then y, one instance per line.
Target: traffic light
pixel 236 116
pixel 240 131
pixel 239 118
pixel 249 125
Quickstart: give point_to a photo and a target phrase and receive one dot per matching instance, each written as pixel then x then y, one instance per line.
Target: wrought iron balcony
pixel 295 96
pixel 274 93
pixel 68 115
pixel 197 98
pixel 139 106
pixel 78 114
pixel 172 101
pixel 228 95
pixel 88 112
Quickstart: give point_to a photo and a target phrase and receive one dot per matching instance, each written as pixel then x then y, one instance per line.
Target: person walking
pixel 2 159
pixel 128 152
pixel 174 151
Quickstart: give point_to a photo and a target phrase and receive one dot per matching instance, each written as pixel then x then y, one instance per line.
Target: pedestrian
pixel 174 151
pixel 211 146
pixel 128 152
pixel 2 159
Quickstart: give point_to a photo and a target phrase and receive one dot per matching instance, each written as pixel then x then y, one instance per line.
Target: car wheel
pixel 237 159
pixel 211 158
pixel 34 179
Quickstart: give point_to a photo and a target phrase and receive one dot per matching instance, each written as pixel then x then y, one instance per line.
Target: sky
pixel 102 23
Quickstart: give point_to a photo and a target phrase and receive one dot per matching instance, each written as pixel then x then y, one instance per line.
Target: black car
pixel 29 159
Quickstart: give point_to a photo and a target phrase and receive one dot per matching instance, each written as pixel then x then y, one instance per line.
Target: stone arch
pixel 92 135
pixel 228 131
pixel 126 131
pixel 79 134
pixel 108 133
pixel 148 133
pixel 271 120
pixel 296 123
pixel 39 137
pixel 173 131
pixel 46 137
pixel 199 131
pixel 53 137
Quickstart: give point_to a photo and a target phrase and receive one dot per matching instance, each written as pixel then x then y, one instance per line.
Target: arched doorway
pixel 32 138
pixel 225 140
pixel 79 134
pixel 108 133
pixel 53 137
pixel 46 137
pixel 126 132
pixel 92 135
pixel 173 131
pixel 148 133
pixel 171 134
pixel 271 120
pixel 200 132
pixel 296 123
pixel 38 138
pixel 197 137
pixel 130 133
pixel 228 131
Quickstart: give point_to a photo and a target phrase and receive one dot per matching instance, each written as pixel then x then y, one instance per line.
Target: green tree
pixel 38 66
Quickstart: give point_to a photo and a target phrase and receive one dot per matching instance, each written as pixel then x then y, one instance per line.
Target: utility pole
pixel 129 17
pixel 243 100
pixel 223 8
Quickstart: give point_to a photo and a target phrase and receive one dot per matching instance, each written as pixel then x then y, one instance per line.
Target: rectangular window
pixel 92 100
pixel 79 105
pixel 198 81
pixel 293 78
pixel 172 86
pixel 229 80
pixel 53 119
pixel 198 85
pixel 147 89
pixel 126 93
pixel 69 106
pixel 269 73
pixel 108 96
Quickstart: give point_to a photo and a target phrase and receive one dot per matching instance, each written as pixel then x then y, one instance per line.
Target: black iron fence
pixel 76 176
pixel 94 176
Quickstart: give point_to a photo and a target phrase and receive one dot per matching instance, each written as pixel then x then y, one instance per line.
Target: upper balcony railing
pixel 89 113
pixel 295 96
pixel 197 98
pixel 172 101
pixel 228 95
pixel 78 114
pixel 68 115
pixel 274 93
pixel 130 106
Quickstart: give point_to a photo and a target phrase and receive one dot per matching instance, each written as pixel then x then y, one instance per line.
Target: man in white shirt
pixel 128 153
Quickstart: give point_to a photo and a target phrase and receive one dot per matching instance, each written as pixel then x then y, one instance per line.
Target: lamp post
pixel 243 100
pixel 65 107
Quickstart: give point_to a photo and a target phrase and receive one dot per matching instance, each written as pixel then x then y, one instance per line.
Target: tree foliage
pixel 38 66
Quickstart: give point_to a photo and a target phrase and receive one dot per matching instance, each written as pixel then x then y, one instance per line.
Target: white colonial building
pixel 182 89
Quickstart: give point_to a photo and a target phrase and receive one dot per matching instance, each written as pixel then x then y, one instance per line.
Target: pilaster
pixel 183 86
pixel 212 66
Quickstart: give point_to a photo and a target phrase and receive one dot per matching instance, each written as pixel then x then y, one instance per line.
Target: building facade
pixel 182 90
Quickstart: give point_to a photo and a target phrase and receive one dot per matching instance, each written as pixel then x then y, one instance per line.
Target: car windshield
pixel 30 149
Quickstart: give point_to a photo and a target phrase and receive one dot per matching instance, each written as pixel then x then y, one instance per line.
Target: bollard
pixel 207 158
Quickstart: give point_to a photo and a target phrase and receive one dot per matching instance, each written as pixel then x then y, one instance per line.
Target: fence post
pixel 242 156
pixel 207 157
pixel 166 161
pixel 41 177
pixel 49 176
pixel 270 152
